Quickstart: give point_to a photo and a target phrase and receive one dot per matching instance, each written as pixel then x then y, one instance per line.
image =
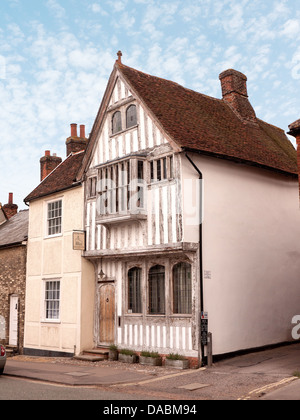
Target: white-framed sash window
pixel 54 218
pixel 52 300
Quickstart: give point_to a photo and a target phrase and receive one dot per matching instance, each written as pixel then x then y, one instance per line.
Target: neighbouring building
pixel 59 283
pixel 13 250
pixel 191 210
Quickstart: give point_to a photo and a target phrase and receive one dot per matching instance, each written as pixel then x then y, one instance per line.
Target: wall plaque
pixel 79 240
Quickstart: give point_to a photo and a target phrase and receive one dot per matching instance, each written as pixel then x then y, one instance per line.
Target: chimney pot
pixel 47 152
pixel 73 130
pixel 10 198
pixel 82 131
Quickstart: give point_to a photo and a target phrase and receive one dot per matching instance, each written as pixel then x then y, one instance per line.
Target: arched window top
pixel 157 269
pixel 182 266
pixel 116 122
pixel 131 119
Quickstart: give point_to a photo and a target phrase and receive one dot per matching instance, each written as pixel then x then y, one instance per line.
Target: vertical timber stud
pixel 200 341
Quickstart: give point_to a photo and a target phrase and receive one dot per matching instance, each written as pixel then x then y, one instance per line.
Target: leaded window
pixel 135 290
pixel 157 290
pixel 116 122
pixel 182 289
pixel 131 119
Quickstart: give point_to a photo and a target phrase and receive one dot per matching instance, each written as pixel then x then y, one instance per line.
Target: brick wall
pixel 12 281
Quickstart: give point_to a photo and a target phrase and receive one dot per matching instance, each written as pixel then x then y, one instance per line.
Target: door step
pixel 11 350
pixel 93 355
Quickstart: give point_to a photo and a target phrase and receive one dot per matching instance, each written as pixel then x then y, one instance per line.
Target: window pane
pixel 157 290
pixel 116 122
pixel 140 170
pixel 134 290
pixel 52 299
pixel 152 170
pixel 131 116
pixel 54 217
pixel 158 170
pixel 182 289
pixel 165 176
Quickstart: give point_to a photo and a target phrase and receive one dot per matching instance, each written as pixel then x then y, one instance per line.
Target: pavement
pixel 265 375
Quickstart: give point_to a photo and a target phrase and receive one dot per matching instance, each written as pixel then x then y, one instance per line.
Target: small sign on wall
pixel 79 240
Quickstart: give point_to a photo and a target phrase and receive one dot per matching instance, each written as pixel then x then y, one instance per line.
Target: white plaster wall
pixel 54 258
pixel 251 252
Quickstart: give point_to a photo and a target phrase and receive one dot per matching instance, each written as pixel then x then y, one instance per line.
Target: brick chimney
pixel 48 163
pixel 295 132
pixel 234 91
pixel 74 143
pixel 10 209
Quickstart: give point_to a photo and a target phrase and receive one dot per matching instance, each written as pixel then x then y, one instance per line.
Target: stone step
pixel 11 350
pixel 93 355
pixel 89 358
pixel 97 350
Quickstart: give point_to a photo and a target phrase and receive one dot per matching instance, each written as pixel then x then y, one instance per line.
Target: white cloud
pixel 57 10
pixel 50 77
pixel 291 29
pixel 96 8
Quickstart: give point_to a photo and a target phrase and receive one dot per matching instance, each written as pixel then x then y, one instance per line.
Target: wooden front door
pixel 107 314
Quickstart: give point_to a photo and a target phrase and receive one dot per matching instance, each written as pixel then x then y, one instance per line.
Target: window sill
pixel 110 219
pixel 118 133
pixel 50 321
pixel 57 235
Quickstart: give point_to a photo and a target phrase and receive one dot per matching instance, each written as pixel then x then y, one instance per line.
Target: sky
pixel 56 57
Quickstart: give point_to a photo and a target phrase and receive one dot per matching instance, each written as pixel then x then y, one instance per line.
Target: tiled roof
pixel 209 125
pixel 61 178
pixel 15 230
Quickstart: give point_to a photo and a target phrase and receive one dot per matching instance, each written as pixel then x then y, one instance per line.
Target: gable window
pixel 135 290
pixel 116 122
pixel 157 290
pixel 182 289
pixel 131 119
pixel 52 299
pixel 54 217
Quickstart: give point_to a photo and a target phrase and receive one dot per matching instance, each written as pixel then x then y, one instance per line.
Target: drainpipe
pixel 200 260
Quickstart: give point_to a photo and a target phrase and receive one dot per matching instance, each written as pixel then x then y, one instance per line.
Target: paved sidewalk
pixel 264 375
pixel 73 374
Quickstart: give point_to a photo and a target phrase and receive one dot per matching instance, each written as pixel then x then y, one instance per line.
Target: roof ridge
pixel 118 65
